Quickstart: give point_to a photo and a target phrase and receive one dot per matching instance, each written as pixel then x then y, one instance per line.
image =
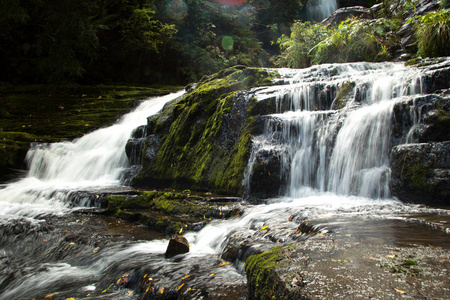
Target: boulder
pixel 178 244
pixel 345 13
pixel 421 173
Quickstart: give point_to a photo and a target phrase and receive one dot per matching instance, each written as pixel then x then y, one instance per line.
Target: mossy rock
pixel 168 212
pixel 207 144
pixel 267 277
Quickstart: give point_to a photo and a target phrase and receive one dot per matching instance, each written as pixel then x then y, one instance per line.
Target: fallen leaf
pixel 320 234
pixel 189 289
pixel 187 276
pixel 181 230
pixel 71 298
pixel 105 290
pixel 390 256
pixel 180 286
pixel 161 291
pixel 119 280
pixel 264 228
pixel 212 274
pixel 290 218
pixel 72 243
pixel 400 291
pixel 224 263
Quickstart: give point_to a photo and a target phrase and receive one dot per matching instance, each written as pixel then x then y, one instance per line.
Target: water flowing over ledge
pixel 328 133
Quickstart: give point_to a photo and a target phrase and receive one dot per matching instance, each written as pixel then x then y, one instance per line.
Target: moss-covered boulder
pixel 421 173
pixel 203 141
pixel 170 212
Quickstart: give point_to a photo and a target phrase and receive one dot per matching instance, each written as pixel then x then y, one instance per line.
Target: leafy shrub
pixel 356 40
pixel 296 49
pixel 433 34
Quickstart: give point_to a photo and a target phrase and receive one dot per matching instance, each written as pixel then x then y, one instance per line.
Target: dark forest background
pixel 137 41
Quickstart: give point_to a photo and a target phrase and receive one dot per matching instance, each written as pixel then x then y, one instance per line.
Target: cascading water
pixel 345 150
pixel 320 9
pixel 96 160
pixel 333 149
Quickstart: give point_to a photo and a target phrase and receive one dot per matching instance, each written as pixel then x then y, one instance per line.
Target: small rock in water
pixel 178 244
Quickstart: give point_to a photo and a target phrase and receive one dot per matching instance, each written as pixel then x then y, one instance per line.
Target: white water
pixel 321 9
pixel 335 161
pixel 344 151
pixel 96 160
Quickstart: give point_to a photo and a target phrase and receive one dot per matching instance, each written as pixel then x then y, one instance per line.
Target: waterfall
pixel 95 160
pixel 332 132
pixel 320 9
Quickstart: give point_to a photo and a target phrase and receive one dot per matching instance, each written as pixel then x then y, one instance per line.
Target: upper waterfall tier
pixel 332 132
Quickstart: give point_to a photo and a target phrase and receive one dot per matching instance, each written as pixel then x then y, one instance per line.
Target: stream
pixel 56 245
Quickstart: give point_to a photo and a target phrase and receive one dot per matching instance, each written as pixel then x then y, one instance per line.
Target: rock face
pixel 343 14
pixel 202 141
pixel 178 244
pixel 420 157
pixel 421 172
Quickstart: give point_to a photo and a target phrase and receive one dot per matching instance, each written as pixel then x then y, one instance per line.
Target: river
pixel 55 245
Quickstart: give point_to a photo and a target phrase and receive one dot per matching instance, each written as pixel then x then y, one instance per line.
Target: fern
pixel 433 34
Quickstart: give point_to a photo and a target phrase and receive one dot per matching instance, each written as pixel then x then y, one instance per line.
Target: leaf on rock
pixel 400 291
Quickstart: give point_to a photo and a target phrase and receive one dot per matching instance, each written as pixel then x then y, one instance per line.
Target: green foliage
pixel 142 31
pixel 296 49
pixel 433 34
pixel 444 3
pixel 356 40
pixel 67 45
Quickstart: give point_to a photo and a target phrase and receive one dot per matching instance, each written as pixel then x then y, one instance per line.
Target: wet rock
pixel 421 173
pixel 178 244
pixel 267 180
pixel 345 13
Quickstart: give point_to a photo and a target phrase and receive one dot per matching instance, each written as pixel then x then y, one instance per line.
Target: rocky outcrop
pixel 202 141
pixel 421 172
pixel 420 157
pixel 345 13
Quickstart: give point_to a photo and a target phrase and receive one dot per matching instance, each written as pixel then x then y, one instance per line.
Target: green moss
pixel 344 92
pixel 418 176
pixel 190 155
pixel 260 273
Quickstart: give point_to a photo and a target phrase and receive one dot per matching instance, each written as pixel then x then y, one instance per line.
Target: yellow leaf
pixel 224 263
pixel 105 290
pixel 181 230
pixel 71 298
pixel 130 292
pixel 185 276
pixel 400 291
pixel 161 291
pixel 118 280
pixel 50 295
pixel 320 234
pixel 72 243
pixel 264 228
pixel 189 289
pixel 390 256
pixel 180 286
pixel 212 274
pixel 145 276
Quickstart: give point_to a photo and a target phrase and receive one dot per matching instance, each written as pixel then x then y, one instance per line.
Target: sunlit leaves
pixel 433 34
pixel 142 30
